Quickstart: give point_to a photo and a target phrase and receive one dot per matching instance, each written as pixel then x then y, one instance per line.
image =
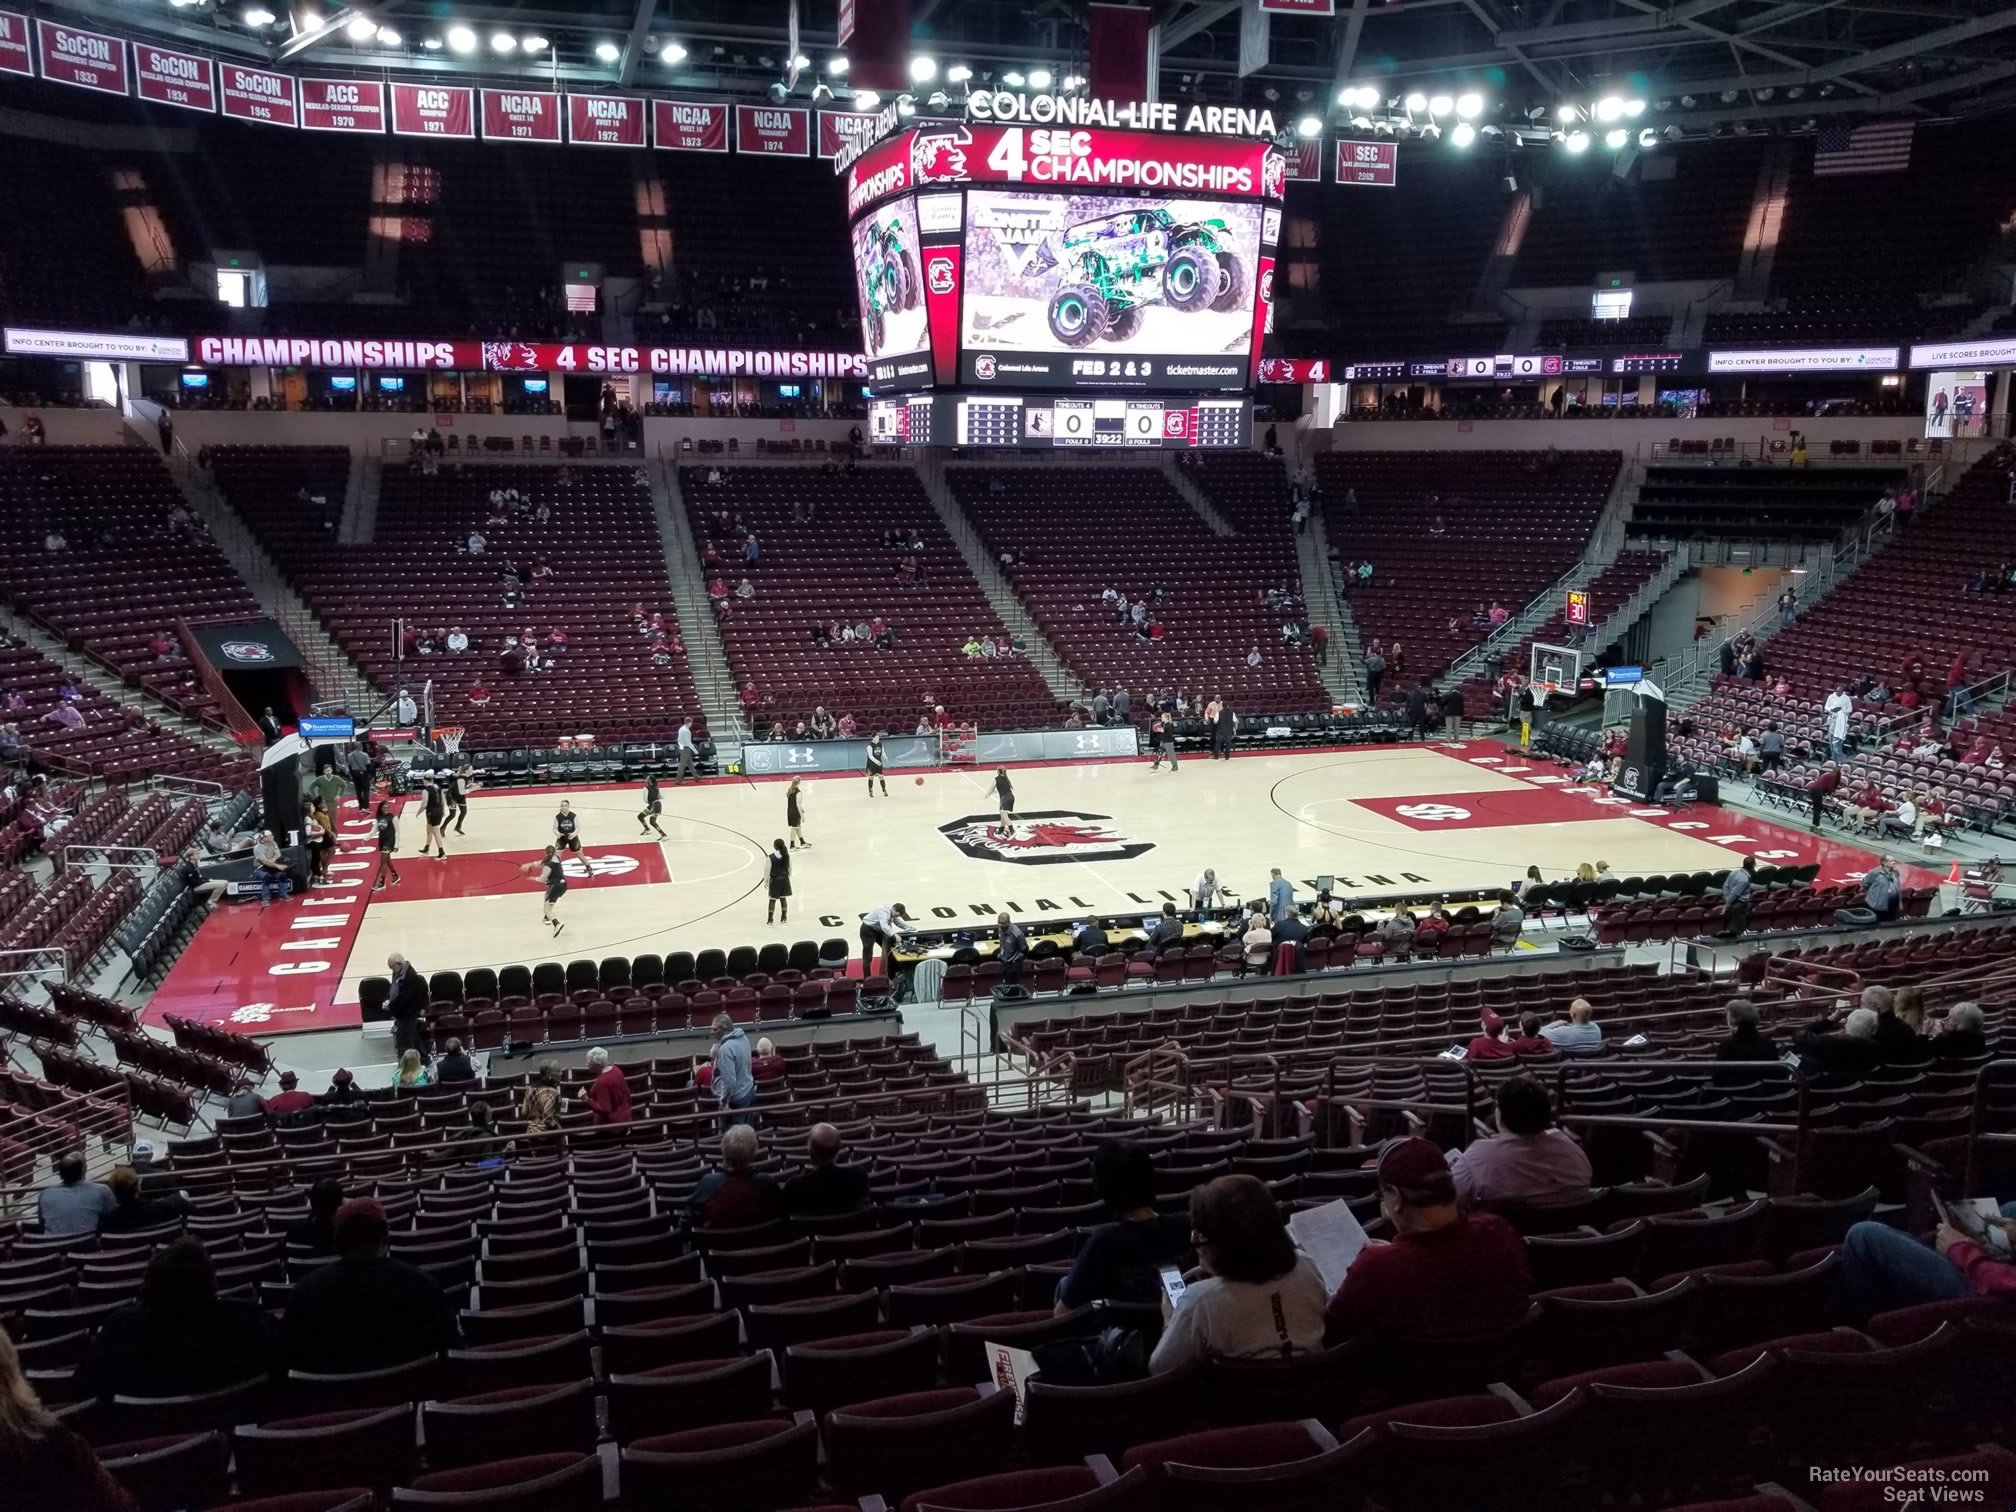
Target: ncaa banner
pixel 15 57
pixel 1305 160
pixel 85 59
pixel 773 130
pixel 255 645
pixel 165 76
pixel 839 128
pixel 605 120
pixel 520 115
pixel 436 110
pixel 689 125
pixel 259 96
pixel 347 105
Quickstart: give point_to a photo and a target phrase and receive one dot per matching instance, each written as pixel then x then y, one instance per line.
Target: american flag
pixel 1875 147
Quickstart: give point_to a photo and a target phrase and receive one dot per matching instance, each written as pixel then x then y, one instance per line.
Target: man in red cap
pixel 1446 1274
pixel 366 1311
pixel 290 1098
pixel 1491 1044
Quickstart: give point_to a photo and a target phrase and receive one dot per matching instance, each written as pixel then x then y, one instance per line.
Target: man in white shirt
pixel 1837 708
pixel 881 927
pixel 1581 1035
pixel 1206 889
pixel 476 543
pixel 1902 821
pixel 689 754
pixel 458 640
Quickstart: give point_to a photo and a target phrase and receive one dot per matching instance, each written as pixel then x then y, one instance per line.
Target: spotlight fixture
pixel 1648 138
pixel 1441 105
pixel 672 53
pixel 503 42
pixel 1072 81
pixel 939 100
pixel 432 44
pixel 821 91
pixel 1309 126
pixel 388 37
pixel 461 39
pixel 1616 139
pixel 923 70
pixel 1576 141
pixel 866 99
pixel 1463 134
pixel 533 44
pixel 361 29
pixel 608 52
pixel 1568 114
pixel 258 17
pixel 1416 103
pixel 1470 105
pixel 838 66
pixel 1013 79
pixel 1039 78
pixel 906 107
pixel 1609 108
pixel 959 73
pixel 778 91
pixel 1634 108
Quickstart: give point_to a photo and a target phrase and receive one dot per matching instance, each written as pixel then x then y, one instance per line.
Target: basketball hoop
pixel 450 737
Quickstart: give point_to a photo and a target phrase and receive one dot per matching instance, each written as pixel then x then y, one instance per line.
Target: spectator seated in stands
pixel 1490 1043
pixel 1896 1040
pixel 1528 1041
pixel 1959 1035
pixel 767 1065
pixel 366 1311
pixel 1847 1054
pixel 825 1188
pixel 73 1205
pixel 180 1337
pixel 1528 1159
pixel 1883 1268
pixel 1507 923
pixel 608 1096
pixel 1447 1274
pixel 453 1066
pixel 1580 1034
pixel 133 1212
pixel 316 1234
pixel 737 1195
pixel 1122 1261
pixel 43 1463
pixel 289 1099
pixel 1253 1296
pixel 1257 943
pixel 1745 1042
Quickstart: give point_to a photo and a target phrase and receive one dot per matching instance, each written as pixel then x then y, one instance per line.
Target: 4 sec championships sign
pixel 521 357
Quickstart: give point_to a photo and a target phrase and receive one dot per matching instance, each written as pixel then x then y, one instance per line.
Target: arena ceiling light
pixel 1309 126
pixel 1568 115
pixel 608 52
pixel 461 39
pixel 866 99
pixel 837 66
pixel 1576 141
pixel 673 52
pixel 1416 103
pixel 1441 105
pixel 1470 105
pixel 1464 134
pixel 1616 139
pixel 361 29
pixel 504 42
pixel 388 37
pixel 1648 138
pixel 259 18
pixel 1634 108
pixel 1013 79
pixel 1610 108
pixel 923 70
pixel 533 45
pixel 432 44
pixel 1072 81
pixel 959 73
pixel 1039 78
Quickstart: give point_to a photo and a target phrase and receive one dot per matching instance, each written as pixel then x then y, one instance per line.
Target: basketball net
pixel 450 737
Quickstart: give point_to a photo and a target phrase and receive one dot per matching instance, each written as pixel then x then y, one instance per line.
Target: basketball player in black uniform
pixel 794 815
pixel 567 830
pixel 437 818
pixel 1161 742
pixel 647 820
pixel 779 910
pixel 875 765
pixel 1004 794
pixel 556 883
pixel 388 843
pixel 461 783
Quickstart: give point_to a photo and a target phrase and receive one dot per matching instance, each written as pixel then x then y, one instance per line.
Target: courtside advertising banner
pixel 86 59
pixel 837 128
pixel 93 346
pixel 520 115
pixel 15 55
pixel 355 106
pixel 606 120
pixel 689 125
pixel 259 95
pixel 165 76
pixel 436 110
pixel 773 130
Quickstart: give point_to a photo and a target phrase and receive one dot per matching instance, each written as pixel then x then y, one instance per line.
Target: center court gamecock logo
pixel 1051 838
pixel 938 274
pixel 599 866
pixel 247 651
pixel 1433 811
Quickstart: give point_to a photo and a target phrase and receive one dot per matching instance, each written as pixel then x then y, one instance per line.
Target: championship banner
pixel 165 76
pixel 1374 163
pixel 1084 158
pixel 15 57
pixel 1117 53
pixel 837 128
pixel 605 120
pixel 1305 160
pixel 347 105
pixel 260 96
pixel 436 110
pixel 879 50
pixel 85 59
pixel 520 115
pixel 773 130
pixel 689 125
pixel 247 645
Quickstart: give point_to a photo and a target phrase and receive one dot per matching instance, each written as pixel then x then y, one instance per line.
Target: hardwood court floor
pixel 1100 837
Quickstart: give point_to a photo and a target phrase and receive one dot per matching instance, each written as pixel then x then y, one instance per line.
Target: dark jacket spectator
pixel 737 1195
pixel 1745 1041
pixel 366 1311
pixel 454 1065
pixel 1122 1261
pixel 1847 1054
pixel 316 1234
pixel 1962 1038
pixel 132 1212
pixel 179 1338
pixel 825 1188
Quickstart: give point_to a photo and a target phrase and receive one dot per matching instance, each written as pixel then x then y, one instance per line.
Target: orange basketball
pixel 920 782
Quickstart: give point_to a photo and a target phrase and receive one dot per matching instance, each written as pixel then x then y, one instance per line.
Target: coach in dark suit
pixel 406 1001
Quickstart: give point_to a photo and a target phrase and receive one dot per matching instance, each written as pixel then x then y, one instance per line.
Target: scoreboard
pixel 1028 421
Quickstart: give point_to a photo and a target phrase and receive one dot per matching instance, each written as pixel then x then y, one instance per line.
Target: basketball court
pixel 1100 837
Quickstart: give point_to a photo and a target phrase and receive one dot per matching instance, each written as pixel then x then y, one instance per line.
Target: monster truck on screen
pixel 888 276
pixel 1117 265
